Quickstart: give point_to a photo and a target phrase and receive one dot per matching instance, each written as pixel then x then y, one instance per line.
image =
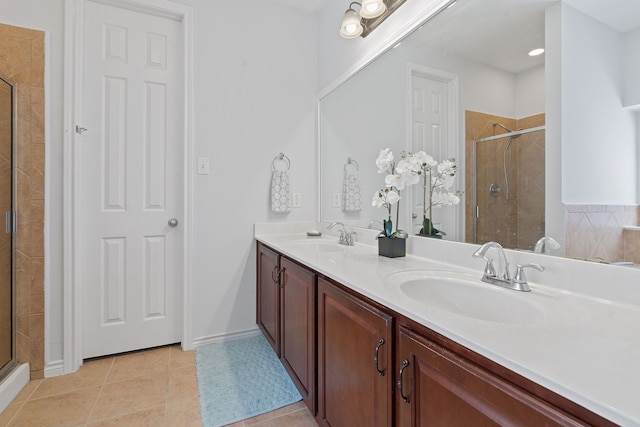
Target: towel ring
pixel 353 163
pixel 281 158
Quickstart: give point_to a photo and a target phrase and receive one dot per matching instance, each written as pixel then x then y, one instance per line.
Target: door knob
pixel 173 222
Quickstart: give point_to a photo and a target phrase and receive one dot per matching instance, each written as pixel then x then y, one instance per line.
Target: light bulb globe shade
pixel 372 8
pixel 351 26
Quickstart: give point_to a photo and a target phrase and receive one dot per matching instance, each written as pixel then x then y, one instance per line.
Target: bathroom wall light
pixel 372 13
pixel 351 26
pixel 372 8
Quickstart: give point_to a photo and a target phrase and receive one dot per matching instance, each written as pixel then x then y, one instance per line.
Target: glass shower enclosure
pixel 7 236
pixel 508 188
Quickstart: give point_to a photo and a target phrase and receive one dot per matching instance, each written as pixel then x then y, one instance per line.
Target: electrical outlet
pixel 336 200
pixel 203 166
pixel 297 200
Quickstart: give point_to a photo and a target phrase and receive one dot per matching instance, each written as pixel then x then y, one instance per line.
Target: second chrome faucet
pixel 502 277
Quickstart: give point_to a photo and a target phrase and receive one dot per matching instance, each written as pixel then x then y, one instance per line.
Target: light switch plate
pixel 203 166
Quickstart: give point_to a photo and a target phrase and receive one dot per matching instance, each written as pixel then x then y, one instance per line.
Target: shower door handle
pixel 11 222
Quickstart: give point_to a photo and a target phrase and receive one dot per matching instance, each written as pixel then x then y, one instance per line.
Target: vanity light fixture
pixel 372 8
pixel 372 13
pixel 536 52
pixel 351 26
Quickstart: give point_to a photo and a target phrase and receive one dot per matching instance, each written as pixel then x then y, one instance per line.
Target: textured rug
pixel 241 379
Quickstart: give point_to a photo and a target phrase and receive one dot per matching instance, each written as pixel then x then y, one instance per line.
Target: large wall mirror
pixel 532 135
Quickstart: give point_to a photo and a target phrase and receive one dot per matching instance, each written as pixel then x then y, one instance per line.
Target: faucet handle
pixel 489 269
pixel 520 278
pixel 349 238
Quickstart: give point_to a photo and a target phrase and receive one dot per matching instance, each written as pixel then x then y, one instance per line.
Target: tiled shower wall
pixel 22 63
pixel 596 233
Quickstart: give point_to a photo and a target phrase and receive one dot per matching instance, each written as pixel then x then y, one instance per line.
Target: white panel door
pixel 131 181
pixel 429 133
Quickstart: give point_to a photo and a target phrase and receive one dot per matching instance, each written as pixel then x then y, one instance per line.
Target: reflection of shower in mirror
pixel 510 164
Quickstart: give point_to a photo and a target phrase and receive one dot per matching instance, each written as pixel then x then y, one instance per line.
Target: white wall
pixel 255 87
pixel 530 92
pixel 598 135
pixel 631 68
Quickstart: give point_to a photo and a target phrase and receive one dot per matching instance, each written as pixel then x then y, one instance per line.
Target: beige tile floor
pixel 150 388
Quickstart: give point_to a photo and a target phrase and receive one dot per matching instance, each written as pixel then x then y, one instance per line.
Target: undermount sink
pixel 465 295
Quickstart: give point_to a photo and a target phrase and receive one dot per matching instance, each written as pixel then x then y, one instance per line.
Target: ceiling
pixel 310 6
pixel 621 15
pixel 500 33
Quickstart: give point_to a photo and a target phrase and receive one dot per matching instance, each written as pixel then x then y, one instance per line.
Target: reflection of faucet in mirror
pixel 544 243
pixel 345 238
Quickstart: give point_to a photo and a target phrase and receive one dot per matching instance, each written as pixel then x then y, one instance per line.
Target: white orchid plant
pixel 398 177
pixel 438 180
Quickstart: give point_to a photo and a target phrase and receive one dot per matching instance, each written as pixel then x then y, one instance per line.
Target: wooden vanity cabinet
pixel 286 314
pixel 297 328
pixel 437 387
pixel 268 295
pixel 358 364
pixel 355 348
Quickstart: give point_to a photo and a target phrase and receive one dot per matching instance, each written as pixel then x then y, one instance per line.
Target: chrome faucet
pixel 345 238
pixel 543 243
pixel 502 277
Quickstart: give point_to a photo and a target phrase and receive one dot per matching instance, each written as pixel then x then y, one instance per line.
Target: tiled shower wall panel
pixel 22 63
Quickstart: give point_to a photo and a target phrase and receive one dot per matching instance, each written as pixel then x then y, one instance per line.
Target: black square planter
pixel 392 248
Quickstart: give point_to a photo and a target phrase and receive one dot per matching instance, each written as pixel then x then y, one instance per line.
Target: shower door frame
pixel 8 367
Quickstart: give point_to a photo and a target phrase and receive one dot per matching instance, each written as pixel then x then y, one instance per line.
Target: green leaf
pixel 388 227
pixel 426 225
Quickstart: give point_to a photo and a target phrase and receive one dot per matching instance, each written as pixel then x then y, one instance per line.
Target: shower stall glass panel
pixel 509 188
pixel 7 324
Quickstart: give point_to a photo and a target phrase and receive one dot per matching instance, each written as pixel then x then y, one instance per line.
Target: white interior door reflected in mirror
pixel 433 104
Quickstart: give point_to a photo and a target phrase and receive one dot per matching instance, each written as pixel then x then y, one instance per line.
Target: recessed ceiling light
pixel 536 52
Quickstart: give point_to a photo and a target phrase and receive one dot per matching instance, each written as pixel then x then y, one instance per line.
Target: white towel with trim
pixel 280 196
pixel 351 192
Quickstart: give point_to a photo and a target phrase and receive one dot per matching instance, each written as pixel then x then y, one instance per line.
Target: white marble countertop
pixel 582 347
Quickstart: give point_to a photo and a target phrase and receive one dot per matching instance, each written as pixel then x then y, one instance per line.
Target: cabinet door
pixel 439 388
pixel 268 306
pixel 297 328
pixel 354 361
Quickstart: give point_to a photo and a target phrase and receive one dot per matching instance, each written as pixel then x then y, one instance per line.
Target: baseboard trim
pixel 54 369
pixel 13 384
pixel 225 337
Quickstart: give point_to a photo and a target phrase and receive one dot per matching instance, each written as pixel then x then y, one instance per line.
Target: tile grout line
pixel 24 402
pixel 104 382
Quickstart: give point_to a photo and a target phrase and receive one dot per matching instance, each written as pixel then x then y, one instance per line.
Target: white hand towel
pixel 351 192
pixel 280 197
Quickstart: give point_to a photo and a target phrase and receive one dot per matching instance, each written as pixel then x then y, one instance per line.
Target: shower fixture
pixel 502 126
pixel 507 161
